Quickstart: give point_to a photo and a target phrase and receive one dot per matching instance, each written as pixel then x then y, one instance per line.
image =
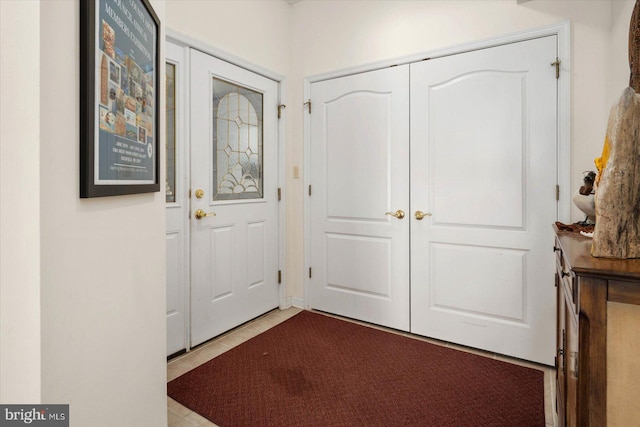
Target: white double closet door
pixel 465 147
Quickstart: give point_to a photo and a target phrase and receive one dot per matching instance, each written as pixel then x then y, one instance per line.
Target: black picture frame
pixel 119 98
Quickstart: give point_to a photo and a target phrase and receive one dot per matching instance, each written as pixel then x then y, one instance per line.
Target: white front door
pixel 359 176
pixel 483 167
pixel 234 196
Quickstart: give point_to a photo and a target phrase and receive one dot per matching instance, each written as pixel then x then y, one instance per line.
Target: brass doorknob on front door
pixel 199 193
pixel 398 214
pixel 420 215
pixel 199 214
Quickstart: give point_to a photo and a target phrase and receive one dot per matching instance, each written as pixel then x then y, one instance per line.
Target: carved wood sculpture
pixel 617 230
pixel 634 48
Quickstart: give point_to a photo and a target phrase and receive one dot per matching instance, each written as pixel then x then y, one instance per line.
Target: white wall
pixel 19 203
pixel 258 32
pixel 103 262
pixel 619 48
pixel 85 306
pixel 333 35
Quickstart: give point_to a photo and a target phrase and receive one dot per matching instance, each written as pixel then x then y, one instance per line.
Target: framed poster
pixel 119 98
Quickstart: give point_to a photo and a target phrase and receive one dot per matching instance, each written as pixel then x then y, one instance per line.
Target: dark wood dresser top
pixel 577 250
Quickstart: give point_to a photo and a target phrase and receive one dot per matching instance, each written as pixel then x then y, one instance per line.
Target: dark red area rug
pixel 314 370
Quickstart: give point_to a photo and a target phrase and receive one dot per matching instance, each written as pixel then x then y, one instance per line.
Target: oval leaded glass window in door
pixel 237 142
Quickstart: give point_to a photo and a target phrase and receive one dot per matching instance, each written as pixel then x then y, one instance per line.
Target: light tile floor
pixel 180 416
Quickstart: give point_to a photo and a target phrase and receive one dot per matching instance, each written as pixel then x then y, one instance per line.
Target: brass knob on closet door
pixel 420 215
pixel 398 214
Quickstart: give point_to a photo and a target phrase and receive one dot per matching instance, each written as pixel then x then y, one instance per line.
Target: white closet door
pixel 483 167
pixel 359 172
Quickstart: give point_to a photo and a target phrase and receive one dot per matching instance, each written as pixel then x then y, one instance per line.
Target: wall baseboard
pixel 297 302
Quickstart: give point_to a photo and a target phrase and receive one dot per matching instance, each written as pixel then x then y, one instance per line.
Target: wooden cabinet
pixel 586 287
pixel 567 343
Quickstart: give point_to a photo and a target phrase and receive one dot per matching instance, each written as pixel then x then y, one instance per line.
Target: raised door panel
pixel 358 155
pixel 176 294
pixel 571 364
pixel 456 289
pixel 478 154
pixel 561 337
pixel 221 265
pixel 623 365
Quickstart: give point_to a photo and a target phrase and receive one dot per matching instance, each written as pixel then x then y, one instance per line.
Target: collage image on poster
pixel 126 108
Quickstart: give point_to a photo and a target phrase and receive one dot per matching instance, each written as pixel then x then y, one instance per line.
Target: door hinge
pixel 307 104
pixel 279 193
pixel 561 350
pixel 279 276
pixel 557 65
pixel 309 189
pixel 309 272
pixel 557 193
pixel 280 108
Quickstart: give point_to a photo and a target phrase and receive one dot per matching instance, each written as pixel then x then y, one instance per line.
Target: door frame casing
pixel 563 128
pixel 189 43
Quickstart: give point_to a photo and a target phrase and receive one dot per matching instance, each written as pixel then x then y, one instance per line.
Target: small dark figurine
pixel 584 199
pixel 589 179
